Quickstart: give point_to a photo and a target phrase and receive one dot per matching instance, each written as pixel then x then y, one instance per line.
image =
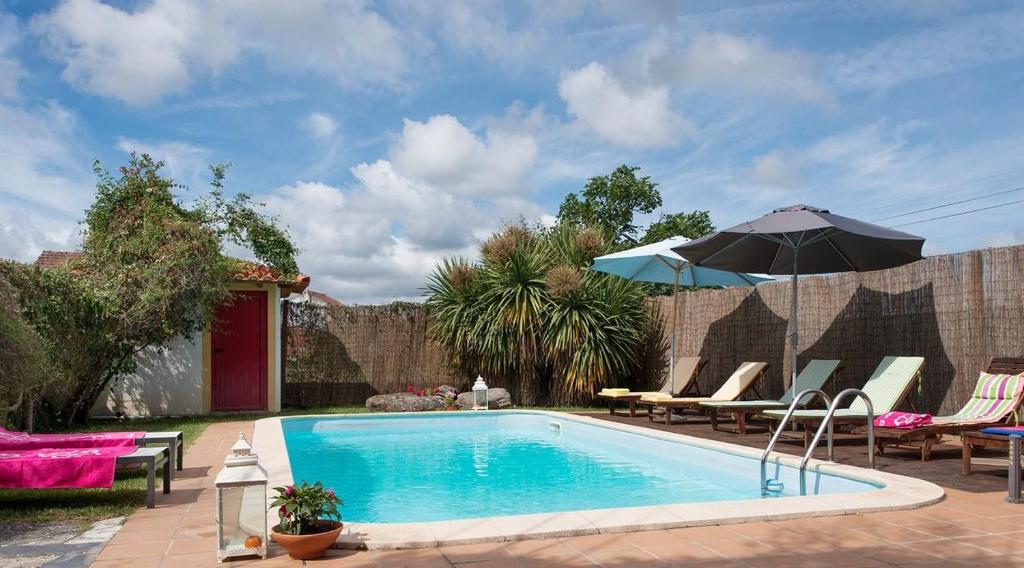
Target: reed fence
pixel 956 310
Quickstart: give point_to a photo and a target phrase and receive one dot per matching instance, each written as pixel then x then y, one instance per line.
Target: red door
pixel 239 343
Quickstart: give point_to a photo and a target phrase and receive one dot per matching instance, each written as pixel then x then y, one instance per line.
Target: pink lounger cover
pixel 60 468
pixel 25 441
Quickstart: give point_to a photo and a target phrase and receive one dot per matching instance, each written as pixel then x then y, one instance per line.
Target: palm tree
pixel 530 312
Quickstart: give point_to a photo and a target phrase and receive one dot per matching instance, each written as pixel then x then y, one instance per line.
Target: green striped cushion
pixel 889 384
pixel 995 396
pixel 814 376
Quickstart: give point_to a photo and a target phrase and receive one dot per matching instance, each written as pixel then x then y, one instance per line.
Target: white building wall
pixel 167 381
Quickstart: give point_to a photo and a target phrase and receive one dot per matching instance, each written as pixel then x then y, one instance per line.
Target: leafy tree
pixel 609 203
pixel 24 366
pixel 692 225
pixel 152 270
pixel 529 313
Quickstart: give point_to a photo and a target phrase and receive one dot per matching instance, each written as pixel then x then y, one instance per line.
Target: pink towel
pixel 905 420
pixel 60 468
pixel 25 441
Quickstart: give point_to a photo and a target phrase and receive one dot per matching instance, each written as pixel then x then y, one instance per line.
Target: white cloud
pixel 184 162
pixel 966 42
pixel 726 61
pixel 39 163
pixel 321 125
pixel 11 70
pixel 135 56
pixel 378 240
pixel 23 236
pixel 637 119
pixel 139 56
pixel 443 152
pixel 776 168
pixel 44 188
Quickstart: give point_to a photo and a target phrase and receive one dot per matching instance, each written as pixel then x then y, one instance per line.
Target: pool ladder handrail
pixel 827 424
pixel 798 400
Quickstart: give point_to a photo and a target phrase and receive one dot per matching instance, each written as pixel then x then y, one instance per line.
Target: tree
pixel 693 225
pixel 609 203
pixel 24 366
pixel 152 270
pixel 529 313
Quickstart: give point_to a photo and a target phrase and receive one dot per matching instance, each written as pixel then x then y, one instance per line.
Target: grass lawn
pixel 129 491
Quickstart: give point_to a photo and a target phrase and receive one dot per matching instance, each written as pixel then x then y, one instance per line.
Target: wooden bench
pixel 152 458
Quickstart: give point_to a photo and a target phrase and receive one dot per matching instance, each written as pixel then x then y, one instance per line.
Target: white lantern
pixel 241 504
pixel 479 394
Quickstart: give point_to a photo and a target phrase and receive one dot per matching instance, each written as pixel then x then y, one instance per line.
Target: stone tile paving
pixel 973 527
pixel 54 545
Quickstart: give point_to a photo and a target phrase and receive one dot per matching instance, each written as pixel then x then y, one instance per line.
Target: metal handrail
pixel 778 431
pixel 827 424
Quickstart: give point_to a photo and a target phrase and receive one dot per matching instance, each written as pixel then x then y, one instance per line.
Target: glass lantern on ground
pixel 479 394
pixel 241 504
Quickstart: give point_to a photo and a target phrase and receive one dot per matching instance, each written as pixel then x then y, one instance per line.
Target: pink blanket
pixel 905 420
pixel 25 441
pixel 60 468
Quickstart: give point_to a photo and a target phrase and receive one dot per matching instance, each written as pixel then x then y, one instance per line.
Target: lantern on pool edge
pixel 479 394
pixel 241 504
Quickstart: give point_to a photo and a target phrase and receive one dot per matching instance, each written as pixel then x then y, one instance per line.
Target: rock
pixel 403 402
pixel 496 398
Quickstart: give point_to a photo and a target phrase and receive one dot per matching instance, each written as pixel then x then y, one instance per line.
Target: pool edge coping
pixel 899 493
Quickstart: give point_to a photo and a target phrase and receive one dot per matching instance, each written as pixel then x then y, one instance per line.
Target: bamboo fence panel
pixel 956 310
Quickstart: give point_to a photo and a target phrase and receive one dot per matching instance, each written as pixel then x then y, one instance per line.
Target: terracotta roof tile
pixel 56 258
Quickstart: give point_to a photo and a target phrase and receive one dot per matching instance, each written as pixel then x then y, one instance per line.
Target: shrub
pixel 532 315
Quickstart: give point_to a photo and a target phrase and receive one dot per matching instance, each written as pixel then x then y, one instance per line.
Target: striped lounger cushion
pixel 995 397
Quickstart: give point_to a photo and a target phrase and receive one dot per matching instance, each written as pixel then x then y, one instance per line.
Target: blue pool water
pixel 414 468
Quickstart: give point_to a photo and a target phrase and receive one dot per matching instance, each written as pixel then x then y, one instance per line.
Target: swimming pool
pixel 414 468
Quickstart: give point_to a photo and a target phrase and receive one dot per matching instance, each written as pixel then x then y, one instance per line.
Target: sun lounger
pixel 815 375
pixel 686 370
pixel 996 396
pixel 887 387
pixel 734 387
pixel 65 468
pixel 173 441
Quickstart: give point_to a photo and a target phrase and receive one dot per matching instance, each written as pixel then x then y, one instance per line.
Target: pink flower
pixel 289 490
pixel 330 492
pixel 283 511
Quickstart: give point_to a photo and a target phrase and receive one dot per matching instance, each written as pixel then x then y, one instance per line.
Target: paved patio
pixel 971 527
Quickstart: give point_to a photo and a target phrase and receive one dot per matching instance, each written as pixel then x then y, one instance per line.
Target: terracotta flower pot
pixel 308 546
pixel 452 407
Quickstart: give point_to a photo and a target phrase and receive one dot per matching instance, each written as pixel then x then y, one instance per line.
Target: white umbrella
pixel 658 263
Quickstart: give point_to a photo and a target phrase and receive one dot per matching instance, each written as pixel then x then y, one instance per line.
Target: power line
pixel 950 204
pixel 961 213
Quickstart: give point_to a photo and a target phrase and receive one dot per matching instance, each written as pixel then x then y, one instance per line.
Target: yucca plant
pixel 535 315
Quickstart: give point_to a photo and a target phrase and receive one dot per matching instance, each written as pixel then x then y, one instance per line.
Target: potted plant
pixel 450 398
pixel 310 521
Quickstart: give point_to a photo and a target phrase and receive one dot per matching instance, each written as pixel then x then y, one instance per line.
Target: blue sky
pixel 390 135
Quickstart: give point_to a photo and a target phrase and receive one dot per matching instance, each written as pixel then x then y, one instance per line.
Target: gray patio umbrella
pixel 801 239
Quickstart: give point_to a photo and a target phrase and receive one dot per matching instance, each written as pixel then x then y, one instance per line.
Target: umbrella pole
pixel 794 336
pixel 675 318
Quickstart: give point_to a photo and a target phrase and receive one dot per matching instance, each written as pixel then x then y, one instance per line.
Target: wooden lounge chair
pixel 734 387
pixel 686 371
pixel 815 375
pixel 887 387
pixel 996 396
